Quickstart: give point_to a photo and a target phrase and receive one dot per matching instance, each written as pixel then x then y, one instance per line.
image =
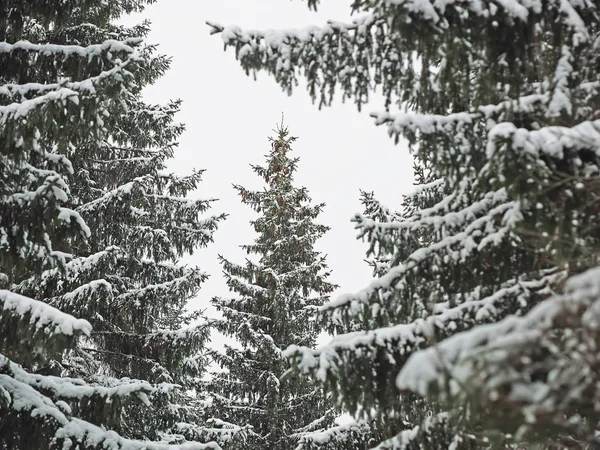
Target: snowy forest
pixel 480 327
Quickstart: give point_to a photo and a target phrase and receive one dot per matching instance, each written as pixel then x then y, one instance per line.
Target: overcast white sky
pixel 229 117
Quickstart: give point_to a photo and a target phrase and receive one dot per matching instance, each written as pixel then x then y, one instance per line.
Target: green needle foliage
pixel 486 296
pixel 92 226
pixel 277 289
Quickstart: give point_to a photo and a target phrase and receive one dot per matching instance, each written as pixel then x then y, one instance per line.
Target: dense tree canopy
pixel 486 290
pixel 480 327
pixel 92 225
pixel 125 279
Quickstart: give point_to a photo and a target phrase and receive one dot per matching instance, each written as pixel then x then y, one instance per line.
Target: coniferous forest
pixel 480 328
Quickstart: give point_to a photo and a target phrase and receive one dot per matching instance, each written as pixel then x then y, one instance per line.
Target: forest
pixel 480 326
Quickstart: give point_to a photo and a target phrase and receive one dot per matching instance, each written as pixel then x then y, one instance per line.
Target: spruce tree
pixel 125 279
pixel 63 82
pixel 282 281
pixel 364 432
pixel 489 302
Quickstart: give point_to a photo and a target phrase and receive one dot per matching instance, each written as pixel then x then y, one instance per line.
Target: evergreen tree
pixel 489 303
pixel 364 433
pixel 276 295
pixel 63 82
pixel 125 278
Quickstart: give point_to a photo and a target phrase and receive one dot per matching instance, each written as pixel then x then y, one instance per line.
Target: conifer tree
pixel 63 82
pixel 282 281
pixel 125 279
pixel 489 303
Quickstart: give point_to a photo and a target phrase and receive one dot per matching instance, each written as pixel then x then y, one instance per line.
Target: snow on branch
pixel 43 316
pixel 316 424
pixel 42 331
pixel 83 265
pixel 552 141
pixel 450 219
pixel 63 92
pixel 89 51
pixel 404 339
pixel 216 430
pixel 181 335
pixel 432 12
pixel 138 185
pixel 275 39
pixel 446 358
pixel 134 298
pixel 163 338
pixel 406 438
pixel 557 137
pixel 74 388
pixel 402 122
pixel 425 187
pixel 23 108
pixel 24 400
pixel 458 245
pixel 340 436
pixel 348 56
pixel 428 10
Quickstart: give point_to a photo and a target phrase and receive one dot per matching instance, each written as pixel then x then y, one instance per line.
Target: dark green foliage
pixel 499 102
pixel 277 292
pixel 125 278
pixel 92 225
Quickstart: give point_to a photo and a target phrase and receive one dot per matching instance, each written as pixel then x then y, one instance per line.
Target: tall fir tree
pixel 489 303
pixel 277 292
pixel 125 279
pixel 67 80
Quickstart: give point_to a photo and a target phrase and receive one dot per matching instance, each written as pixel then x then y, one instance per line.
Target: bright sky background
pixel 229 117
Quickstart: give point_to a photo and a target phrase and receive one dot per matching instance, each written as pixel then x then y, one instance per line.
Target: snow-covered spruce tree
pixel 125 279
pixel 500 101
pixel 364 434
pixel 53 99
pixel 277 292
